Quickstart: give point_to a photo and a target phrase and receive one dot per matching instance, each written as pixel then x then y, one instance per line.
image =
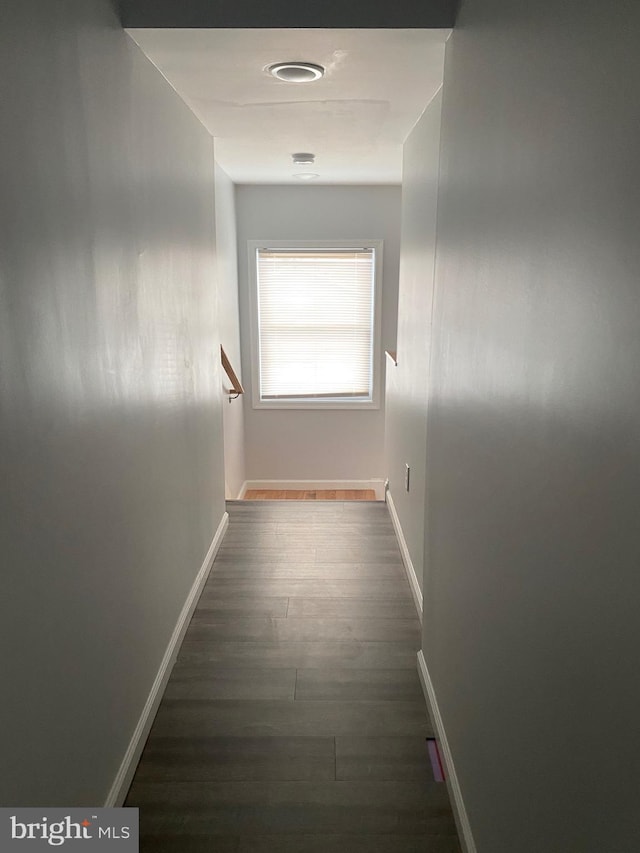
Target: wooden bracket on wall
pixel 236 386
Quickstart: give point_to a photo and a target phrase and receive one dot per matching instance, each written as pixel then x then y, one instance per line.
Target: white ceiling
pixel 354 119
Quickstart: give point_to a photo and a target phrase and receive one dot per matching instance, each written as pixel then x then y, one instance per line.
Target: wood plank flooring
pixel 293 721
pixel 310 495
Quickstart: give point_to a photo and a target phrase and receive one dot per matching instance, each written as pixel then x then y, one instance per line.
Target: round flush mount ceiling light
pixel 303 158
pixel 296 72
pixel 306 176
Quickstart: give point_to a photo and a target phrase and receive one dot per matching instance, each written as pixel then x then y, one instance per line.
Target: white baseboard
pixel 131 758
pixel 311 485
pixel 406 556
pixel 457 803
pixel 243 491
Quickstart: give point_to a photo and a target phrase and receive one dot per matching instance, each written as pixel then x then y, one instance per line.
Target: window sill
pixel 311 405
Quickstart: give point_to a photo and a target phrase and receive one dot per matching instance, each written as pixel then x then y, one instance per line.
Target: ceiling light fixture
pixel 303 158
pixel 296 72
pixel 306 176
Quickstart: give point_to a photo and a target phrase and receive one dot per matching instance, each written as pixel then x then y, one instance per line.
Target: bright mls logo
pixel 73 829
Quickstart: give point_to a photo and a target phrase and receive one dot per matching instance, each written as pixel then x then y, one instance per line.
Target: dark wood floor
pixel 310 495
pixel 293 721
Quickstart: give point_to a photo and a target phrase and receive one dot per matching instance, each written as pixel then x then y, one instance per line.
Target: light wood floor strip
pixel 310 495
pixel 293 721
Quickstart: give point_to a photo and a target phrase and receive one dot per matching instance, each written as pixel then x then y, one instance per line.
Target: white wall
pixel 531 628
pixel 329 444
pixel 111 465
pixel 407 386
pixel 229 329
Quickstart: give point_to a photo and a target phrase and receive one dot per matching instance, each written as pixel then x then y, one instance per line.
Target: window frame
pixel 318 403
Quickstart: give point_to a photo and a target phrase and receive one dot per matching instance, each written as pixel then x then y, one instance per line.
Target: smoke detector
pixel 296 72
pixel 303 158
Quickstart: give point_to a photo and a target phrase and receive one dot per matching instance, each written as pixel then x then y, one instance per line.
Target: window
pixel 315 329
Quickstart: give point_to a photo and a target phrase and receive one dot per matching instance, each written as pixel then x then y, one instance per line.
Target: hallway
pixel 294 718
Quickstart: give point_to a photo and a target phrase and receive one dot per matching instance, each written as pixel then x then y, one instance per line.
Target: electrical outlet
pixel 407 477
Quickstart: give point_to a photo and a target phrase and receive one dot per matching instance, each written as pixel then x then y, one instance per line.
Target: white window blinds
pixel 316 323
